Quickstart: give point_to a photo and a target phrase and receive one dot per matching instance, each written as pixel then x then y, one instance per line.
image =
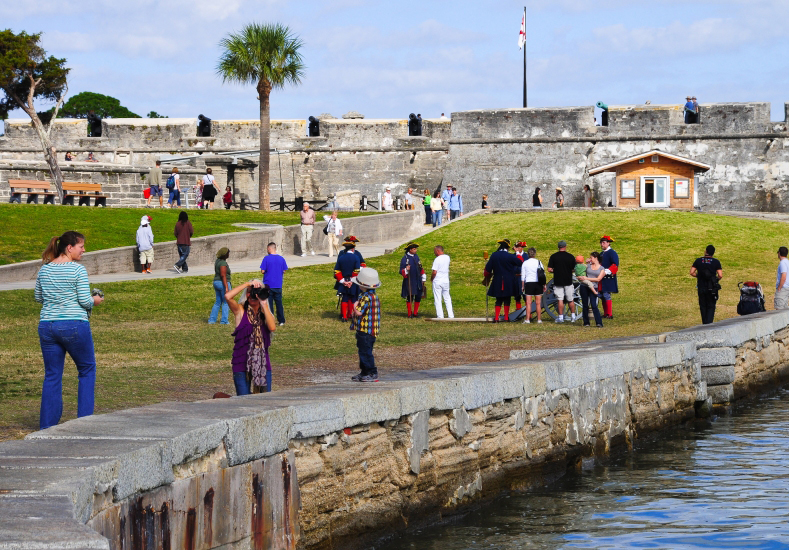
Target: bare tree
pixel 26 73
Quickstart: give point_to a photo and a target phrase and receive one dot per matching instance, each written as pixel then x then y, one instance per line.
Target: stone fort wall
pixel 502 153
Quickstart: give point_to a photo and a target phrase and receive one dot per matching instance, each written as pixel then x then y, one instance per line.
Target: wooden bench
pixel 32 189
pixel 83 191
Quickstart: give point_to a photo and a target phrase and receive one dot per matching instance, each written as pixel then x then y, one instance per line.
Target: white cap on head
pixel 144 220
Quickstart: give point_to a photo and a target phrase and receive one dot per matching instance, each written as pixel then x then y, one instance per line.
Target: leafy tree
pixel 154 114
pixel 80 105
pixel 267 56
pixel 26 74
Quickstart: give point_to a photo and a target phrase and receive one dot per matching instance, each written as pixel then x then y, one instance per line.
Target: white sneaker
pixel 560 319
pixel 313 252
pixel 574 318
pixel 527 321
pixel 303 255
pixel 539 321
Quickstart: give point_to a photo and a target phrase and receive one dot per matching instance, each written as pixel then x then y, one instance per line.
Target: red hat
pixel 350 241
pixel 521 244
pixel 606 238
pixel 579 259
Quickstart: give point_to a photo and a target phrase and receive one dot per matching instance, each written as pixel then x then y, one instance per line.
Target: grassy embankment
pixel 153 343
pixel 28 228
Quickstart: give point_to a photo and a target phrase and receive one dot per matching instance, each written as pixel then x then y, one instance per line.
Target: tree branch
pixel 31 92
pixel 57 108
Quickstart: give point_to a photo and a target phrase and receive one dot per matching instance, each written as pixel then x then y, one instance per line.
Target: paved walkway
pixel 238 266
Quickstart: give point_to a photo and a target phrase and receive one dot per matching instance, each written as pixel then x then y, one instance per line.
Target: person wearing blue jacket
pixel 455 204
pixel 414 278
pixel 609 260
pixel 500 272
pixel 349 262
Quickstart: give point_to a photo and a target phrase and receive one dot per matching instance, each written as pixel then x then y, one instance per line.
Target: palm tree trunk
pixel 264 93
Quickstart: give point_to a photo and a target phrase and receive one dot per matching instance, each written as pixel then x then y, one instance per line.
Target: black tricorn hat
pixel 505 242
pixel 411 245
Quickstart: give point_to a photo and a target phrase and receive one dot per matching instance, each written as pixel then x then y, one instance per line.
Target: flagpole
pixel 525 102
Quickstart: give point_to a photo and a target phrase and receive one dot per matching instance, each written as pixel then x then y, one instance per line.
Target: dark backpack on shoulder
pixel 541 279
pixel 170 182
pixel 751 298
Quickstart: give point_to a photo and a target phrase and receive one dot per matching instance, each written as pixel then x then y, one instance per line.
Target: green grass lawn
pixel 28 227
pixel 153 343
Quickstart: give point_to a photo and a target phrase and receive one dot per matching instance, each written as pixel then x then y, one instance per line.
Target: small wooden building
pixel 654 180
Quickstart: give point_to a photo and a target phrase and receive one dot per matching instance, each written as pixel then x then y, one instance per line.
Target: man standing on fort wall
pixel 609 260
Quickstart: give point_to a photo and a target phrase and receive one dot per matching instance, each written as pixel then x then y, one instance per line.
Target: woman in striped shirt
pixel 62 287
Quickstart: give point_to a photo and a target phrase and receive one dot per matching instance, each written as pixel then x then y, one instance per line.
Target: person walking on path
pixel 532 286
pixel 221 286
pixel 307 224
pixel 155 184
pixel 413 279
pixel 609 259
pixel 409 199
pixel 708 272
pixel 273 268
pixel 536 198
pixel 445 196
pixel 227 198
pixel 499 274
pixel 594 274
pixel 334 232
pixel 559 202
pixel 455 204
pixel 440 279
pixel 251 338
pixel 145 244
pixel 63 289
pixel 348 264
pixel 436 207
pixel 210 190
pixel 183 240
pixel 426 203
pixel 781 300
pixel 366 322
pixel 562 265
pixel 387 201
pixel 174 187
pixel 587 196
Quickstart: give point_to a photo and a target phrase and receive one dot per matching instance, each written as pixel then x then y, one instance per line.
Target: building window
pixel 681 188
pixel 641 161
pixel 655 158
pixel 627 189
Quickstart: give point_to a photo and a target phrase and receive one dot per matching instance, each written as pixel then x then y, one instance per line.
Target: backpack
pixel 751 298
pixel 170 182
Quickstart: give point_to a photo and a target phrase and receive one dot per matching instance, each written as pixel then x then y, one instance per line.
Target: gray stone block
pixel 716 376
pixel 710 357
pixel 372 405
pixel 44 523
pixel 491 387
pixel 668 355
pixel 253 437
pixel 701 390
pixel 420 424
pixel 721 395
pixel 459 423
pixel 608 365
pixel 533 380
pixel 567 374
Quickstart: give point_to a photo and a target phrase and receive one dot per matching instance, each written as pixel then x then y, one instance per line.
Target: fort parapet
pixel 504 153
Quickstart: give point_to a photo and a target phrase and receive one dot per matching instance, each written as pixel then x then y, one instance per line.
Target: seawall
pixel 336 466
pixel 243 244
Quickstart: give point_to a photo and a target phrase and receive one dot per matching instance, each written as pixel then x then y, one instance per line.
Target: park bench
pixel 83 191
pixel 32 189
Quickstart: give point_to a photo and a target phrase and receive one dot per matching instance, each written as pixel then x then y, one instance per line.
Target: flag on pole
pixel 522 35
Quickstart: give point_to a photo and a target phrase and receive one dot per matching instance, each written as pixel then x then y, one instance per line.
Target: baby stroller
pixel 751 298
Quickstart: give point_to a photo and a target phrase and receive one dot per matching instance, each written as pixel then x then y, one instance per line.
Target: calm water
pixel 724 486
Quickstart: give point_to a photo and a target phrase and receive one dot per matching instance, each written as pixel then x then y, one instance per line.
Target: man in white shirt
pixel 334 232
pixel 440 279
pixel 782 280
pixel 387 200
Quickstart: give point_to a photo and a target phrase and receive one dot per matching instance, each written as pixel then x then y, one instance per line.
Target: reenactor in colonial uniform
pixel 501 278
pixel 413 279
pixel 349 262
pixel 609 260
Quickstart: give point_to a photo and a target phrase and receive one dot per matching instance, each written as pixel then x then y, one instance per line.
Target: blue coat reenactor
pixel 609 260
pixel 349 262
pixel 500 276
pixel 413 279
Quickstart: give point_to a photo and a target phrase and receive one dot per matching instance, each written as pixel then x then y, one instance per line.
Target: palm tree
pixel 268 57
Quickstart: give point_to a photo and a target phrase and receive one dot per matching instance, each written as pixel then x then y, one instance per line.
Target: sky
pixel 388 59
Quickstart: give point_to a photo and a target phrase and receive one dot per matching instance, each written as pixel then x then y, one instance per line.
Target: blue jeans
pixel 589 299
pixel 275 297
pixel 437 216
pixel 175 195
pixel 219 288
pixel 57 338
pixel 365 342
pixel 183 252
pixel 243 385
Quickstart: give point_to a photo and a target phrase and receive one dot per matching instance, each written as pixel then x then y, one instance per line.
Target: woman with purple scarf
pixel 254 325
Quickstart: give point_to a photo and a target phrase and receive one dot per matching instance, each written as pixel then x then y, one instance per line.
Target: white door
pixel 654 191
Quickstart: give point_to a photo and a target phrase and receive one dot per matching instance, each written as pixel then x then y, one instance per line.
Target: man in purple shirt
pixel 273 267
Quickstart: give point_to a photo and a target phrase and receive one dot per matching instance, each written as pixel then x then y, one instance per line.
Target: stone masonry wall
pixel 337 466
